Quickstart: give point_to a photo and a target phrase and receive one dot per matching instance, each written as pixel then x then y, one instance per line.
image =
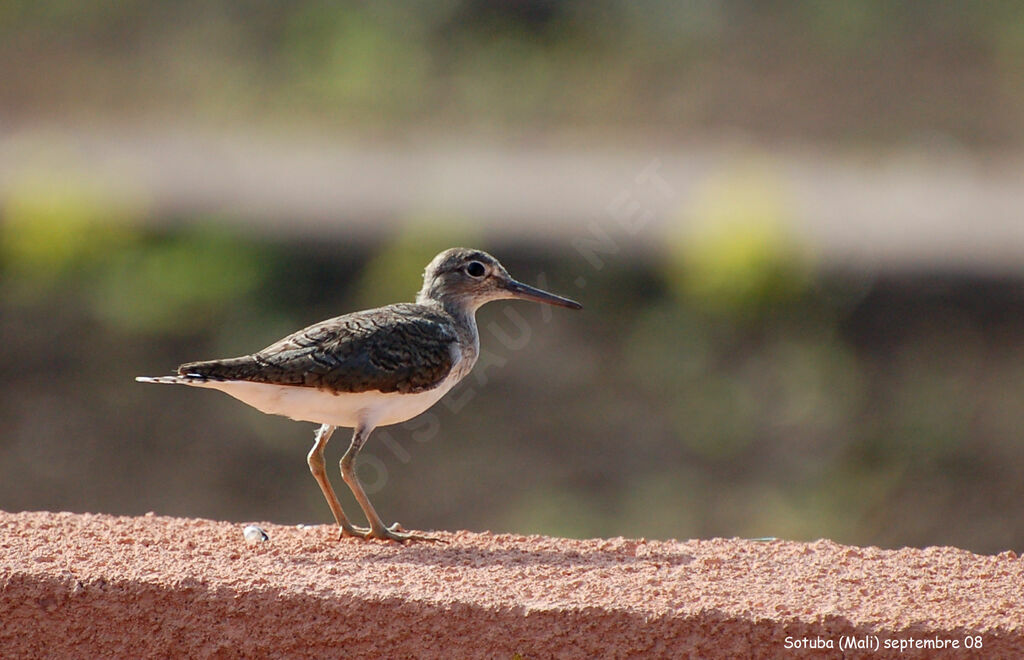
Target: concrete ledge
pixel 95 585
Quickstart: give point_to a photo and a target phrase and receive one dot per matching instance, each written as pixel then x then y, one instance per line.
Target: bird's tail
pixel 195 373
pixel 171 380
pixel 239 368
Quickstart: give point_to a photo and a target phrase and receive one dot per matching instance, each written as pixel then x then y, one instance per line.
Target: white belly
pixel 309 404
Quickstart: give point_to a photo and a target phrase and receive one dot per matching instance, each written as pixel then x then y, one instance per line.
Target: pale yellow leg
pixel 348 472
pixel 316 466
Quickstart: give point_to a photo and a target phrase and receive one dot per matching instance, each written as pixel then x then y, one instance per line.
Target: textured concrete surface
pixel 76 586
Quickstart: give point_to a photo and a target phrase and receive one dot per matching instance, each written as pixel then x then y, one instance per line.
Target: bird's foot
pixel 351 531
pixel 397 533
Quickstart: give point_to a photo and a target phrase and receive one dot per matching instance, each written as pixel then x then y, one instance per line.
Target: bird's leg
pixel 316 466
pixel 348 472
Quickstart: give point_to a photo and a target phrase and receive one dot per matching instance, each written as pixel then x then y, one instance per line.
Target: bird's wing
pixel 399 348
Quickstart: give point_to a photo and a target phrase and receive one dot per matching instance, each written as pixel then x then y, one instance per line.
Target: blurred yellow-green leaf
pixel 739 254
pixel 53 226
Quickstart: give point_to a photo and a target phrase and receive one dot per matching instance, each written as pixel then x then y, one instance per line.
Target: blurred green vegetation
pixel 730 384
pixel 740 254
pixel 56 244
pixel 689 398
pixel 872 71
pixel 55 227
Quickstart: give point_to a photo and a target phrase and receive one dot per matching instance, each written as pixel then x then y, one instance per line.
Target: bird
pixel 370 368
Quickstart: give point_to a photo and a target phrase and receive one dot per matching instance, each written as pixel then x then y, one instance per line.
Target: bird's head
pixel 469 278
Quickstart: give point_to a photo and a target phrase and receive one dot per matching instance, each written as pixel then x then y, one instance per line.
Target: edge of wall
pixel 78 585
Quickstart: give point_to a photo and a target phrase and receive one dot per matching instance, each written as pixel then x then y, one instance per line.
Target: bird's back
pixel 402 348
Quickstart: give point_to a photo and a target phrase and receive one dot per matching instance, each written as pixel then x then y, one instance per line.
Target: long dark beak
pixel 525 292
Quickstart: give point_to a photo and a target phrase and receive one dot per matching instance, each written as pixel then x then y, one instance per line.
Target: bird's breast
pixel 321 406
pixel 464 355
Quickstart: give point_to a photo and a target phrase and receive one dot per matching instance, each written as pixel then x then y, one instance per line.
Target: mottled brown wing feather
pixel 398 348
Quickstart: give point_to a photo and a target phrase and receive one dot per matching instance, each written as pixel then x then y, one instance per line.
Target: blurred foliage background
pixel 874 71
pixel 733 380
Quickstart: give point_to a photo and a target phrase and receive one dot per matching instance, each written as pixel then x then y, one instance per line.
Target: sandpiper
pixel 371 368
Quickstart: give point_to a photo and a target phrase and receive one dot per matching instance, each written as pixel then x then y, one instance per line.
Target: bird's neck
pixel 464 322
pixel 462 311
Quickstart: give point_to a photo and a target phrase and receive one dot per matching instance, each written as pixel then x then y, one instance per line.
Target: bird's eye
pixel 475 269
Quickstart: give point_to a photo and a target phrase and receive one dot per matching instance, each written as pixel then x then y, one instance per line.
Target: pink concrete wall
pixel 95 585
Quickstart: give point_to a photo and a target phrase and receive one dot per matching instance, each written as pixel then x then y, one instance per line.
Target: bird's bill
pixel 526 292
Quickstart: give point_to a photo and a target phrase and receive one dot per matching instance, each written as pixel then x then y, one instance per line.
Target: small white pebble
pixel 254 534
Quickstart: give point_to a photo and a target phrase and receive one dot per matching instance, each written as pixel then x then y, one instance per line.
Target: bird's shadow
pixel 473 556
